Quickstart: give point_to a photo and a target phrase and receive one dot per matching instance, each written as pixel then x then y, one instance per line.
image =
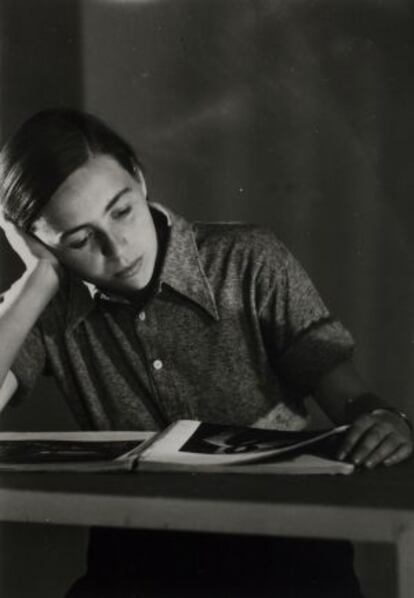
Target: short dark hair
pixel 45 150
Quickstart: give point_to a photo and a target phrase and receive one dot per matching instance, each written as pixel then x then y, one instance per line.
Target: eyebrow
pixel 108 207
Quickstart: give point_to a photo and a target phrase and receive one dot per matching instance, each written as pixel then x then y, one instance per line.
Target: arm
pixel 377 434
pixel 7 390
pixel 313 353
pixel 24 303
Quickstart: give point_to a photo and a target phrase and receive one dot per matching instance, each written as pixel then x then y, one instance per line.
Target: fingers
pixel 374 440
pixel 7 226
pixel 40 250
pixel 390 445
pixel 403 452
pixel 25 245
pixel 15 238
pixel 19 242
pixel 2 219
pixel 356 432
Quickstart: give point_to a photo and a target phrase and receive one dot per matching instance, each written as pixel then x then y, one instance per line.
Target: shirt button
pixel 157 364
pixel 142 316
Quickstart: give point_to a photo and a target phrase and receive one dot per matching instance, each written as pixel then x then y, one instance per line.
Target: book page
pixel 197 443
pixel 297 465
pixel 67 450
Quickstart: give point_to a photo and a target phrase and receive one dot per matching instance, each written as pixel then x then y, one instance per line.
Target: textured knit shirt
pixel 234 332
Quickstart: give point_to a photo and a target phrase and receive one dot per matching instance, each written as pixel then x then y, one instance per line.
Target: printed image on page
pixel 192 442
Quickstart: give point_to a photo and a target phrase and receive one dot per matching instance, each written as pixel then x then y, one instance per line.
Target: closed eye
pixel 79 243
pixel 121 212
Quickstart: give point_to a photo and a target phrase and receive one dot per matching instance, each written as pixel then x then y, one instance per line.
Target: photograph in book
pixel 192 444
pixel 69 451
pixel 62 451
pixel 214 439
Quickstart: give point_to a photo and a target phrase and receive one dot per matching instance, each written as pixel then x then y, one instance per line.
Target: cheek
pixel 149 233
pixel 81 264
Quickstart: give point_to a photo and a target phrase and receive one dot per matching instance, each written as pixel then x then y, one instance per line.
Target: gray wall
pixel 291 114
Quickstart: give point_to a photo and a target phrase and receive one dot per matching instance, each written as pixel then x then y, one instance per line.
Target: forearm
pixel 344 396
pixel 378 434
pixel 337 391
pixel 21 309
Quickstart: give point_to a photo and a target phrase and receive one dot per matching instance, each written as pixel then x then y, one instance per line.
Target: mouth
pixel 130 270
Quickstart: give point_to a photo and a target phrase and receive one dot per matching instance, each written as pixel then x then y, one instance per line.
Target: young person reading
pixel 144 318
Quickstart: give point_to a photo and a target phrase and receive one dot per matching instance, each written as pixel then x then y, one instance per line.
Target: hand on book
pixel 377 438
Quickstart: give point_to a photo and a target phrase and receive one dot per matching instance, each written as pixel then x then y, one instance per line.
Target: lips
pixel 130 270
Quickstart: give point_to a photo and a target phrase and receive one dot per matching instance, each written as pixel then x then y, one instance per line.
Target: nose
pixel 112 246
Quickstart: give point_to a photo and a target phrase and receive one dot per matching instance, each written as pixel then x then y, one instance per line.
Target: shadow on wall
pixel 295 115
pixel 41 66
pixel 41 49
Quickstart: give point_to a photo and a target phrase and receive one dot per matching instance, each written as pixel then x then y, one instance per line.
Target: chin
pixel 127 285
pixel 138 284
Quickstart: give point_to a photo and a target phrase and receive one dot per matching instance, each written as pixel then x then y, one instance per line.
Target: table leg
pixel 405 562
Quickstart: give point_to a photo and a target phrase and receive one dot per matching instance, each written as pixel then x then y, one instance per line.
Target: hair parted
pixel 45 150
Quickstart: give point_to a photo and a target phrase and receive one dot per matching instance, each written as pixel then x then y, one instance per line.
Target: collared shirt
pixel 235 332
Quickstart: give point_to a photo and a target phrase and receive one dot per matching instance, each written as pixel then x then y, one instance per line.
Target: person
pixel 144 318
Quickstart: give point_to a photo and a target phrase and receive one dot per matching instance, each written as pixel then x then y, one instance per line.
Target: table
pixel 375 506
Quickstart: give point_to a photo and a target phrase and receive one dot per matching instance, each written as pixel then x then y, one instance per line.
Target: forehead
pixel 84 194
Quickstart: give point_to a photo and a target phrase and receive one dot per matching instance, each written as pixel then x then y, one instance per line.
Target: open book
pixel 186 445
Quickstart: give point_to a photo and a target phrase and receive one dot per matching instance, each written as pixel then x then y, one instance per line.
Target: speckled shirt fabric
pixel 234 333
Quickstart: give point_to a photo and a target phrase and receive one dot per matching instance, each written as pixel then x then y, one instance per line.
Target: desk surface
pixel 373 505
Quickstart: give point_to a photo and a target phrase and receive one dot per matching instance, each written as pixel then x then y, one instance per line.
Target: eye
pixel 121 212
pixel 79 243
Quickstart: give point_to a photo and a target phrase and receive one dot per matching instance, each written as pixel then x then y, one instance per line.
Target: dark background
pixel 294 114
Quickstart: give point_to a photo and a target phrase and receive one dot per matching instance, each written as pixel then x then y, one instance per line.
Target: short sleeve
pixel 303 340
pixel 30 362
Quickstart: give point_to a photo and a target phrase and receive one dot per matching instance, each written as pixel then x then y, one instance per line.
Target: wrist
pixel 41 282
pixel 47 274
pixel 401 415
pixel 370 403
pixel 362 404
pixel 29 295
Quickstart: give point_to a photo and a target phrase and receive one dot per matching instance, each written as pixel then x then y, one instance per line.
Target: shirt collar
pixel 181 270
